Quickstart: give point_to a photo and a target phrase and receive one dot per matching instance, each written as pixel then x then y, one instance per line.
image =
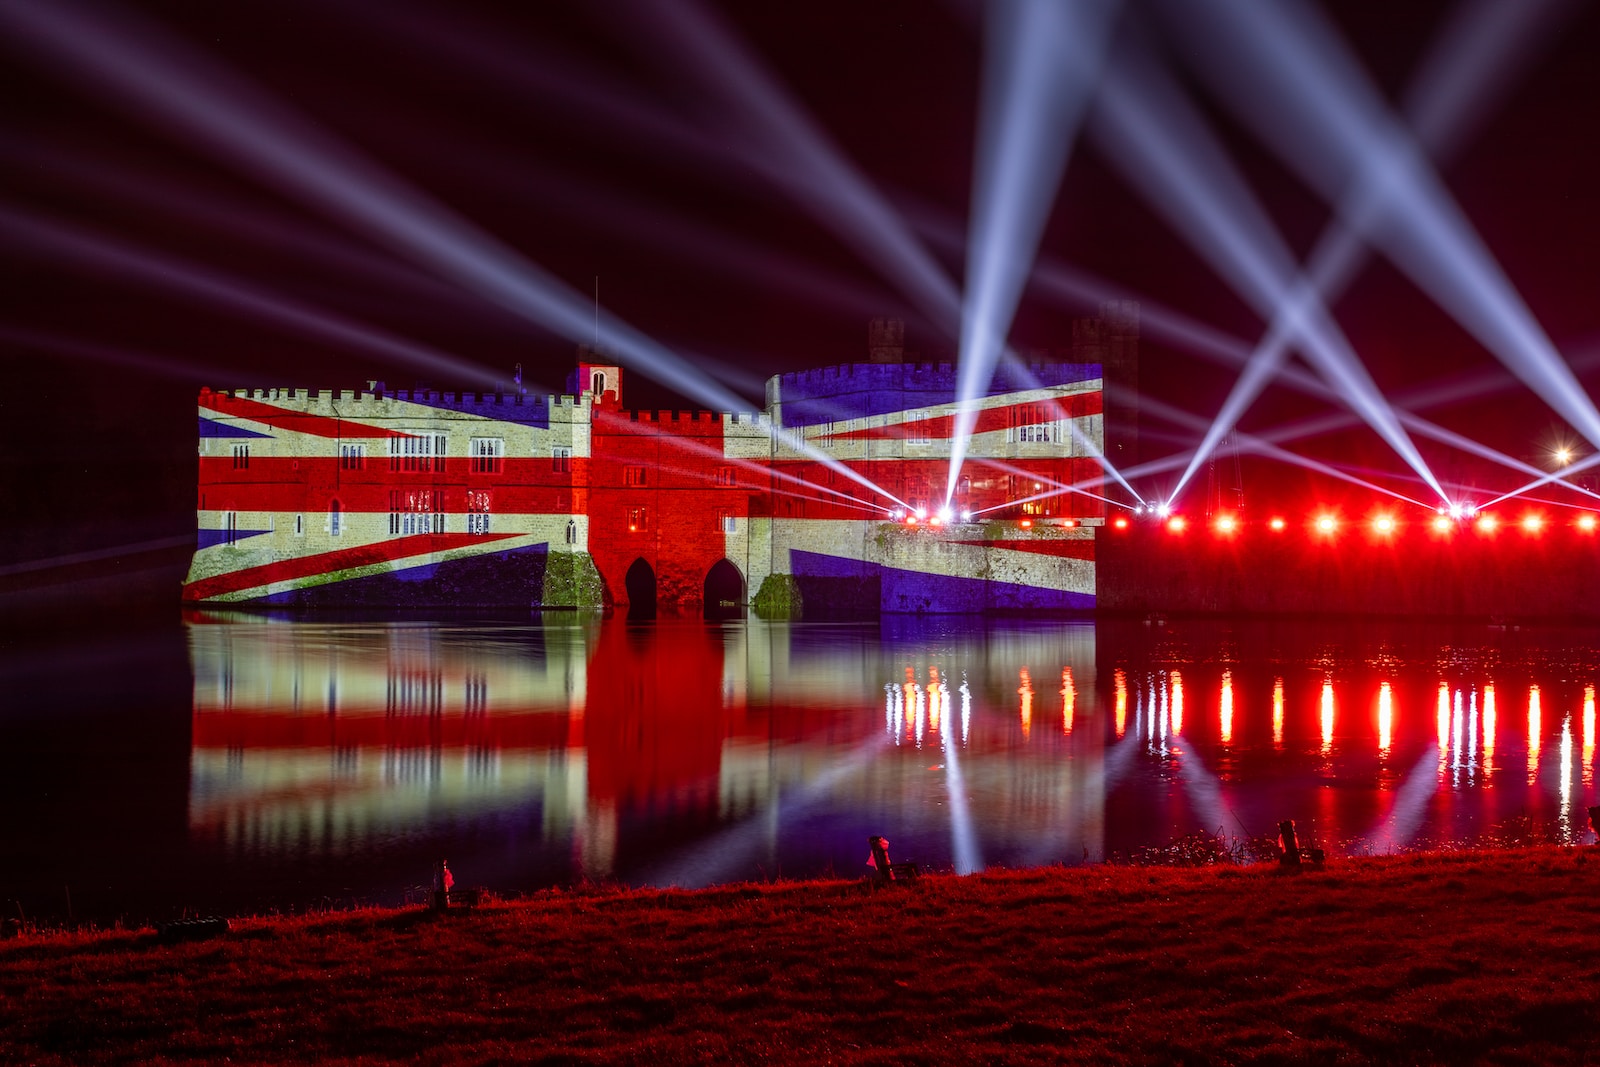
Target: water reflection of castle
pixel 322 738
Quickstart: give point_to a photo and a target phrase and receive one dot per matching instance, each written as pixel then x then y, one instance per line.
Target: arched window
pixel 572 531
pixel 599 383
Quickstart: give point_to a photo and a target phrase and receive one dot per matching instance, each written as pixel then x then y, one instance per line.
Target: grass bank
pixel 1452 957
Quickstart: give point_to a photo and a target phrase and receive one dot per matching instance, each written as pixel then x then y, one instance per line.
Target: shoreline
pixel 1440 955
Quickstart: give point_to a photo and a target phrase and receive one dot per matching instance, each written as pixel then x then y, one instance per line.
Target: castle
pixel 828 501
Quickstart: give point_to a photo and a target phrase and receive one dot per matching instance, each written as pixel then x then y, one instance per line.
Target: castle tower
pixel 1111 339
pixel 886 341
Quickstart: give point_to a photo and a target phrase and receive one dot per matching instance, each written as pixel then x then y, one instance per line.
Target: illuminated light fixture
pixel 922 513
pixel 1563 456
pixel 1277 522
pixel 911 520
pixel 1122 524
pixel 1457 511
pixel 966 516
pixel 1069 523
pixel 1326 524
pixel 1026 524
pixel 1176 524
pixel 1383 524
pixel 1487 524
pixel 1441 524
pixel 944 515
pixel 1532 523
pixel 1226 524
pixel 936 521
pixel 1163 510
pixel 1586 523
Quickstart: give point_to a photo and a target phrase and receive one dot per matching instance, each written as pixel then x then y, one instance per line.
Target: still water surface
pixel 236 762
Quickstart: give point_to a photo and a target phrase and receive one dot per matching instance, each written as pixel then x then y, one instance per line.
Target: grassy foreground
pixel 1455 957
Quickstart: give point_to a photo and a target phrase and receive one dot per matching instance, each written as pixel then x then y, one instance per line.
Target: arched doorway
pixel 724 591
pixel 641 585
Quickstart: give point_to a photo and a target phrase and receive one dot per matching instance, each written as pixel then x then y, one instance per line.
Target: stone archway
pixel 724 591
pixel 641 585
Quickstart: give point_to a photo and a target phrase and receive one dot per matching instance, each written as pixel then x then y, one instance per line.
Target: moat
pixel 232 762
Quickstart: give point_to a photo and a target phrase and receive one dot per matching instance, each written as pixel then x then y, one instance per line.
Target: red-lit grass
pixel 1416 959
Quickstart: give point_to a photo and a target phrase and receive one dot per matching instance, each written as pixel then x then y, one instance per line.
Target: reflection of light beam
pixel 1040 61
pixel 1488 730
pixel 1120 705
pixel 1534 732
pixel 1025 694
pixel 1177 702
pixel 1226 710
pixel 1327 716
pixel 963 840
pixel 1277 712
pixel 1069 696
pixel 1411 800
pixel 1385 718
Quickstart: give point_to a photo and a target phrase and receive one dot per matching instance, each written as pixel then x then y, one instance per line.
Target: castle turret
pixel 886 341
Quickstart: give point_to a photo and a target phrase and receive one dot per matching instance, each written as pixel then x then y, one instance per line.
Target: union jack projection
pixel 832 495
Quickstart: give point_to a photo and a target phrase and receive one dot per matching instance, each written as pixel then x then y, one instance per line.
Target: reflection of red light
pixel 1586 523
pixel 1026 524
pixel 1176 524
pixel 1276 523
pixel 632 528
pixel 1122 524
pixel 1226 524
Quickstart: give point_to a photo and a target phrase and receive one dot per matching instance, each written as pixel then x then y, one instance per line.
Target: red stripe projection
pixel 942 427
pixel 240 407
pixel 338 560
pixel 1074 549
pixel 370 727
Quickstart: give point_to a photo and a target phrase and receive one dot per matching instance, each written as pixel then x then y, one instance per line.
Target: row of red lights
pixel 1328 525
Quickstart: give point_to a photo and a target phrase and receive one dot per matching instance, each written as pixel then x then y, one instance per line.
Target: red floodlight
pixel 1383 525
pixel 1026 524
pixel 1326 525
pixel 1533 523
pixel 1441 524
pixel 1487 524
pixel 1586 523
pixel 1176 524
pixel 1120 523
pixel 1277 522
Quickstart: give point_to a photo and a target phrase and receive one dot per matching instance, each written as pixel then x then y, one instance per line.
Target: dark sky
pixel 569 132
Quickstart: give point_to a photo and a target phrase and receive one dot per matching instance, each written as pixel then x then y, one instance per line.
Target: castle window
pixel 230 523
pixel 488 455
pixel 352 457
pixel 916 432
pixel 333 518
pixel 572 531
pixel 413 452
pixel 1032 423
pixel 597 383
pixel 300 525
pixel 633 476
pixel 724 476
pixel 638 519
pixel 478 512
pixel 241 457
pixel 728 523
pixel 561 459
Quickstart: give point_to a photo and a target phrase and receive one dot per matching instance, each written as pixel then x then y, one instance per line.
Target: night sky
pixel 581 136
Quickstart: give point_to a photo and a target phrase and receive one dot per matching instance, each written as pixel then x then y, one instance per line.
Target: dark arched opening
pixel 724 591
pixel 641 584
